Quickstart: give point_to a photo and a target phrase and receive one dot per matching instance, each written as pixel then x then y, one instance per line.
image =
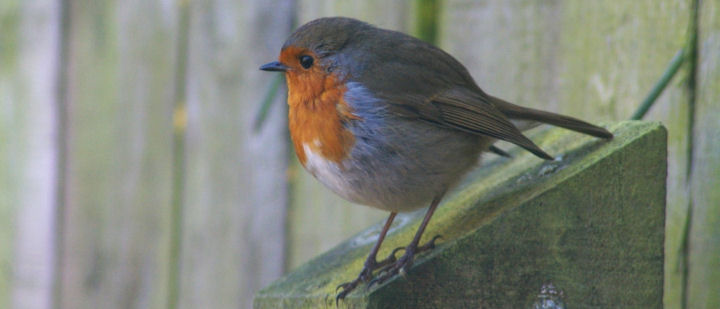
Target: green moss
pixel 592 223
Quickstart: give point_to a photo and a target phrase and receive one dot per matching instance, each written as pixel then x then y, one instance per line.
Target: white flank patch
pixel 326 171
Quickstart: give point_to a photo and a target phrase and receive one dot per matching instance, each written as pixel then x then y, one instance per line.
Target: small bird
pixel 392 122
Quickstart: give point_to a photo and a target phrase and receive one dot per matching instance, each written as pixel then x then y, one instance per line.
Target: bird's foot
pixel 365 274
pixel 402 265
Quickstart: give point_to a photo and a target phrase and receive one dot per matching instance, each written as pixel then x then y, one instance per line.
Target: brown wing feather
pixel 421 81
pixel 468 111
pixel 498 151
pixel 513 111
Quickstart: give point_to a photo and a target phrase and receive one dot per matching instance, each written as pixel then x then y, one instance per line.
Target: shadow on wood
pixel 591 223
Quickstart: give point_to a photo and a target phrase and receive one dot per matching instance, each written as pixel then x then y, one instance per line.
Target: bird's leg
pixel 405 262
pixel 371 263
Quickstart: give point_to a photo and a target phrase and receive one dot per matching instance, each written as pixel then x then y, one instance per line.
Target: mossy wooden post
pixel 591 223
pixel 29 64
pixel 318 218
pixel 597 60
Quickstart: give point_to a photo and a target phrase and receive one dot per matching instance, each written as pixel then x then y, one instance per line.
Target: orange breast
pixel 317 111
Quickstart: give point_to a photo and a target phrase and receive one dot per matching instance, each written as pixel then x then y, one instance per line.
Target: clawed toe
pixel 344 286
pixel 402 265
pixel 388 260
pixel 391 266
pixel 429 245
pixel 365 275
pixel 399 267
pixel 387 268
pixel 347 287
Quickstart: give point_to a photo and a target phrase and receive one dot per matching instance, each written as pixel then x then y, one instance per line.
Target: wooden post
pixel 596 60
pixel 590 223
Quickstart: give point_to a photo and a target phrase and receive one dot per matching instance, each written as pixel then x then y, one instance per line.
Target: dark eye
pixel 306 61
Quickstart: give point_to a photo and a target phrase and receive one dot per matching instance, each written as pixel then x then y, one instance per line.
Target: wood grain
pixel 594 60
pixel 235 198
pixel 28 153
pixel 115 234
pixel 704 237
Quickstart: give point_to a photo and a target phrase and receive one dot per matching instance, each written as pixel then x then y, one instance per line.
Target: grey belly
pixel 401 167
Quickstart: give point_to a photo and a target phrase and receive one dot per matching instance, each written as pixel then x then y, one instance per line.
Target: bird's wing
pixel 516 112
pixel 421 81
pixel 469 111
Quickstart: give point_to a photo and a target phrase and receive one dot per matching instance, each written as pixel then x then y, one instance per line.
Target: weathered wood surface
pixel 592 224
pixel 596 60
pixel 115 229
pixel 703 290
pixel 28 152
pixel 235 194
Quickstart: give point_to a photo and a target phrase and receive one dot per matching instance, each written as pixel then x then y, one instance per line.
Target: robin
pixel 389 121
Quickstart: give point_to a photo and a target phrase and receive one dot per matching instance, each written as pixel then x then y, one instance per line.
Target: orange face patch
pixel 317 109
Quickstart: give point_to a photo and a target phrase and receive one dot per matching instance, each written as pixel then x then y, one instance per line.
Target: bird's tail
pixel 525 118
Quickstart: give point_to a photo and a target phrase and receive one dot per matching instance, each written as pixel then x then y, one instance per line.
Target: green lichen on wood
pixel 597 60
pixel 591 223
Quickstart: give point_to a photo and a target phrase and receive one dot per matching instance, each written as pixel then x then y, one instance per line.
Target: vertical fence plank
pixel 235 193
pixel 510 47
pixel 115 242
pixel 573 57
pixel 704 271
pixel 11 132
pixel 592 59
pixel 319 219
pixel 29 50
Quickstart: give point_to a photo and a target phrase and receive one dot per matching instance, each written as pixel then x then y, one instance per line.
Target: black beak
pixel 274 66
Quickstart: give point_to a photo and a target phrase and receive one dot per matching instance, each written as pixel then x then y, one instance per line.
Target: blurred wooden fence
pixel 131 175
